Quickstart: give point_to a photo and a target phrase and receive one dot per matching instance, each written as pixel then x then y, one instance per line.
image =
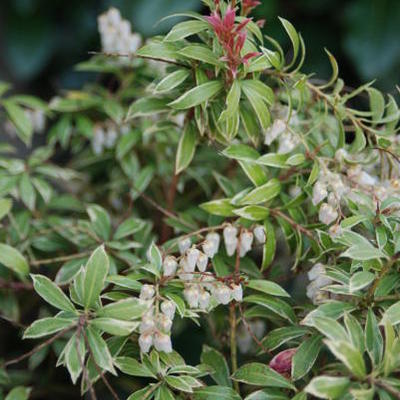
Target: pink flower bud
pixel 282 362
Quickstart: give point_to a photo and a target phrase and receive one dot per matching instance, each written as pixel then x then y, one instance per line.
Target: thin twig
pixel 38 348
pixel 293 223
pixel 36 263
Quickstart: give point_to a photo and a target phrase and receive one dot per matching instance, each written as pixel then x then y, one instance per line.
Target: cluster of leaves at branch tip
pixel 209 181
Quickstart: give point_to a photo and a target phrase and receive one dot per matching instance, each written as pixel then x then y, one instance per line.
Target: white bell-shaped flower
pixel 320 192
pixel 145 342
pixel 185 266
pixel 191 294
pixel 327 214
pixel 184 245
pixel 147 324
pixel 316 271
pixel 147 292
pixel 237 292
pixel 215 239
pixel 222 294
pixel 259 234
pixel 246 241
pixel 192 255
pixel 204 299
pixel 202 262
pixel 169 266
pixel 164 323
pixel 168 308
pixel 277 128
pixel 162 342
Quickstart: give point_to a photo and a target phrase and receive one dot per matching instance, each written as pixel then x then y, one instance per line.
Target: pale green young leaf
pixel 101 221
pixel 12 259
pixel 113 326
pixel 133 367
pixel 20 120
pixel 5 207
pixel 184 29
pixel 200 53
pixel 262 194
pixel 172 81
pixel 186 148
pixel 27 192
pixel 267 287
pixel 96 271
pixel 197 95
pixel 51 293
pixel 328 387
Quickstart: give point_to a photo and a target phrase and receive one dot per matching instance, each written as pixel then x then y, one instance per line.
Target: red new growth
pixel 232 38
pixel 249 5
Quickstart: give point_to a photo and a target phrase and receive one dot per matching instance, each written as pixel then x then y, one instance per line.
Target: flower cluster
pixel 232 38
pixel 318 280
pixel 105 136
pixel 116 34
pixel 37 118
pixel 156 324
pixel 281 131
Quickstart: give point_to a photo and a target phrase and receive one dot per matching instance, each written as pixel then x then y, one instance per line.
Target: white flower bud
pixel 237 292
pixel 316 271
pixel 208 248
pixel 202 262
pixel 147 325
pixel 114 16
pixel 295 191
pixel 277 128
pixel 319 193
pixel 169 266
pixel 215 239
pixel 192 255
pixel 145 342
pixel 259 234
pixel 191 295
pixel 162 342
pixel 164 323
pixel 184 245
pixel 124 28
pixel 168 308
pixel 327 214
pixel 230 239
pixel 222 294
pixel 185 276
pixel 335 231
pixel 246 241
pixel 207 281
pixel 135 41
pixel 185 266
pixel 147 292
pixel 204 300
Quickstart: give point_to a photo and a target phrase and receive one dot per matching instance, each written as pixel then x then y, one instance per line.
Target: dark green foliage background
pixel 41 40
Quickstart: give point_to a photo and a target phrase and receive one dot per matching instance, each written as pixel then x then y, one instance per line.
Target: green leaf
pixel 260 375
pixel 101 221
pixel 197 95
pixel 221 207
pixel 128 227
pixel 200 53
pixel 241 152
pixel 132 367
pixel 5 207
pixel 377 103
pixel 178 383
pixel 280 336
pixel 126 309
pixel 273 160
pixel 328 387
pixel 360 280
pixel 51 293
pixel 294 38
pixel 373 339
pixel 20 120
pixel 267 287
pixel 253 213
pixel 392 314
pixel 259 89
pixel 335 70
pixel 305 356
pixel 27 192
pixel 217 362
pixel 216 392
pixel 186 148
pixel 254 172
pixel 48 326
pixel 184 29
pixel 96 271
pixel 13 260
pixel 273 304
pixel 99 350
pixel 113 326
pixel 269 249
pixel 262 193
pixel 363 252
pixel 349 356
pixel 172 81
pixel 328 327
pixel 259 106
pixel 232 100
pixel 74 356
pixel 147 106
pixel 19 393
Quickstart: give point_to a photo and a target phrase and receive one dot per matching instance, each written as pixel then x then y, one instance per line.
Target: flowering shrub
pixel 206 181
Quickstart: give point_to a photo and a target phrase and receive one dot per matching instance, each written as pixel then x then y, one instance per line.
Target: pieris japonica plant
pixel 202 183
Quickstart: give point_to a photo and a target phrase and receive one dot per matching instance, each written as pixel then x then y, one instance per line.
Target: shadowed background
pixel 41 40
